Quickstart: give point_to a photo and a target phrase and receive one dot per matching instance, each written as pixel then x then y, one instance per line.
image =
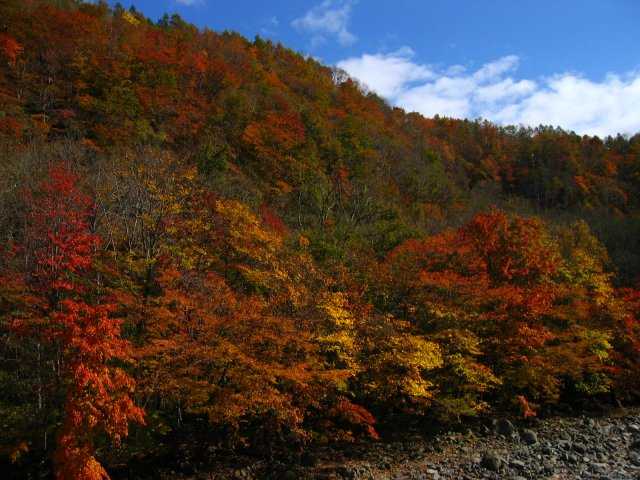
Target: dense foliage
pixel 202 230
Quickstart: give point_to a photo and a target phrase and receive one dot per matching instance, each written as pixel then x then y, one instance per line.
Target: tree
pixel 64 309
pixel 501 286
pixel 10 47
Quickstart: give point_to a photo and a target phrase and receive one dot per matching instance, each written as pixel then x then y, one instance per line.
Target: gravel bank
pixel 584 448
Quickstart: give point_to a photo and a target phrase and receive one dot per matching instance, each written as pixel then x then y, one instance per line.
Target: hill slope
pixel 248 249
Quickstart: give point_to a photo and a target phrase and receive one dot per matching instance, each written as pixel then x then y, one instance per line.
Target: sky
pixel 568 63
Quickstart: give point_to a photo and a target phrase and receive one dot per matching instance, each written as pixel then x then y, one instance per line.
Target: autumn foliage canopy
pixel 218 240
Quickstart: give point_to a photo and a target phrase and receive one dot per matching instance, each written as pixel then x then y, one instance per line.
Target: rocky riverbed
pixel 585 448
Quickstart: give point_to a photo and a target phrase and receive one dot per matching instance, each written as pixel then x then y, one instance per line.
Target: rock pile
pixel 603 448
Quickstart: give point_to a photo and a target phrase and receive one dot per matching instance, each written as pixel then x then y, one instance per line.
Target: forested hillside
pixel 211 238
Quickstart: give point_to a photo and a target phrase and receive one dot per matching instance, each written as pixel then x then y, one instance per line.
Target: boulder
pixel 492 461
pixel 529 437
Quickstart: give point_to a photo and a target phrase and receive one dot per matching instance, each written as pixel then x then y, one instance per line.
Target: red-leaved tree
pixel 69 315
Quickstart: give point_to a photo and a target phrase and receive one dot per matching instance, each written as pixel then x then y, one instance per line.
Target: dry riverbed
pixel 584 448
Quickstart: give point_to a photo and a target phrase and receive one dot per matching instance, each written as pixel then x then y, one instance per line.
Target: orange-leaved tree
pixel 504 284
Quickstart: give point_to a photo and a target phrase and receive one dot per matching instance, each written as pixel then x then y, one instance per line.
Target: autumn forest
pixel 211 238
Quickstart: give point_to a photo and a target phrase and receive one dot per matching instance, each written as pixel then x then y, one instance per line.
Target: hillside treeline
pixel 209 238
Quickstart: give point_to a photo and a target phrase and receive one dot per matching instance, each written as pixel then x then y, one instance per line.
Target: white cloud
pixel 506 89
pixel 567 100
pixel 601 108
pixel 270 26
pixel 330 18
pixel 393 71
pixel 497 68
pixel 189 3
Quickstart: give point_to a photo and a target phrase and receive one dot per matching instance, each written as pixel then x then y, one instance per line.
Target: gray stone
pixel 433 474
pixel 504 427
pixel 243 474
pixel 529 437
pixel 579 447
pixel 599 467
pixel 491 461
pixel 290 475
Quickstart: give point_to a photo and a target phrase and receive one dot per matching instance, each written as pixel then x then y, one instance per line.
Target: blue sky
pixel 573 63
